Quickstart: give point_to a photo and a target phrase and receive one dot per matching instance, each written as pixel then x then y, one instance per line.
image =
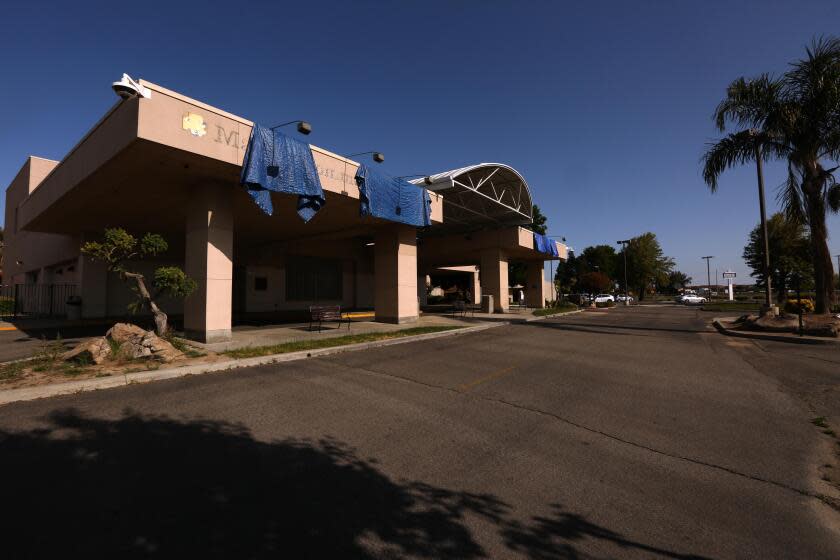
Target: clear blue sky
pixel 604 107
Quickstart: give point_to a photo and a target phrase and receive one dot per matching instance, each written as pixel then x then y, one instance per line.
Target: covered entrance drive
pixel 484 209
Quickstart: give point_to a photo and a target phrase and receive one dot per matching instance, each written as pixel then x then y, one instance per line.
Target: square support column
pixel 93 287
pixel 535 285
pixel 494 278
pixel 475 288
pixel 209 261
pixel 395 272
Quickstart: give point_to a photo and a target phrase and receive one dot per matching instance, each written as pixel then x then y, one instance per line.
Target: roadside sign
pixel 729 274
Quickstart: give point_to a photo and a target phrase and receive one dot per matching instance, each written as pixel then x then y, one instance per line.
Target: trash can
pixel 74 308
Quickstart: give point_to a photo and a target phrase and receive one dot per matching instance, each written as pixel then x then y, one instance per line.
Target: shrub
pixel 7 305
pixel 793 305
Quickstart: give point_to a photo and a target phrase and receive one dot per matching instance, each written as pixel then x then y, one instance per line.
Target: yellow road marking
pixel 8 328
pixel 492 376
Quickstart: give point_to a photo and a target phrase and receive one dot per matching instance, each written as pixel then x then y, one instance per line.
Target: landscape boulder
pixel 91 351
pixel 137 343
pixel 134 343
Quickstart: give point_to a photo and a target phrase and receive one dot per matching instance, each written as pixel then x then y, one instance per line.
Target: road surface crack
pixel 830 501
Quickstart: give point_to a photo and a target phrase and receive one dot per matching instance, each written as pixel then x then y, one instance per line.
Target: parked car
pixel 622 298
pixel 604 298
pixel 692 299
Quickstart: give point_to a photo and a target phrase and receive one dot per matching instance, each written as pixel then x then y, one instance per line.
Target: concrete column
pixel 535 284
pixel 92 287
pixel 475 288
pixel 395 274
pixel 209 261
pixel 494 278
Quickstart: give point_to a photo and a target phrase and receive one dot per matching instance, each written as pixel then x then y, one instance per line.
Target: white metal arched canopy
pixel 485 194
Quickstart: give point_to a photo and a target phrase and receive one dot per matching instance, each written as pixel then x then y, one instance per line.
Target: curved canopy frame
pixel 486 194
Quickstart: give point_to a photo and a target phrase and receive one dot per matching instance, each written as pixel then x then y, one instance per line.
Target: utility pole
pixel 768 300
pixel 623 243
pixel 709 274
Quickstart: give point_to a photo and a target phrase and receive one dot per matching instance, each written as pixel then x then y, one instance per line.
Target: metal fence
pixel 35 300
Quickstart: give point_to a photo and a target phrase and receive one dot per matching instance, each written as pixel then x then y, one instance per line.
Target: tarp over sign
pixel 393 199
pixel 279 163
pixel 544 244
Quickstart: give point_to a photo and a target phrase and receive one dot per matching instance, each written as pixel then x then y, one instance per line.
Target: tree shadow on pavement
pixel 145 486
pixel 552 538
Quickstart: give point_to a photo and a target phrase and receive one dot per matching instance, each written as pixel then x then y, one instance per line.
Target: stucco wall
pixel 34 250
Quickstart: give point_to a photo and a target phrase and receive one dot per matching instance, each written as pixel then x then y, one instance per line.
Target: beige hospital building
pixel 168 164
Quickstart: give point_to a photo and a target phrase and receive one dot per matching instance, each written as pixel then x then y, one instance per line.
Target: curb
pixel 772 337
pixel 540 318
pixel 93 384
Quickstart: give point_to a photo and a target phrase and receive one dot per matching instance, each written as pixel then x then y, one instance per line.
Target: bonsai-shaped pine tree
pixel 119 249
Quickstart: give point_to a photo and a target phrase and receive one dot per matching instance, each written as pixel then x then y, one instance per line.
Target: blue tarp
pixel 544 244
pixel 393 199
pixel 279 163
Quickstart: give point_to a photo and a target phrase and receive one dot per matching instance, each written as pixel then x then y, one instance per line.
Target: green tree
pixel 601 258
pixel 677 281
pixel 646 264
pixel 595 282
pixel 539 223
pixel 567 275
pixel 790 254
pixel 119 250
pixel 795 118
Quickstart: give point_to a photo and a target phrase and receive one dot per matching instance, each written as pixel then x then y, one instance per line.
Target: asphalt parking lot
pixel 627 433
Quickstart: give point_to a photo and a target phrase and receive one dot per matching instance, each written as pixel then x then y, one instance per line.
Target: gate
pixel 35 300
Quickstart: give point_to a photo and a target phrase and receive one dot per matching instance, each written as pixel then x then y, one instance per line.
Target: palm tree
pixel 795 118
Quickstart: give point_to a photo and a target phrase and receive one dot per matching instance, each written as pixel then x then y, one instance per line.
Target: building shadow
pixel 619 329
pixel 155 487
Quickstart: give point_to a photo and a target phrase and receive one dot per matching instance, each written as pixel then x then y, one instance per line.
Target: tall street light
pixel 623 243
pixel 768 299
pixel 708 274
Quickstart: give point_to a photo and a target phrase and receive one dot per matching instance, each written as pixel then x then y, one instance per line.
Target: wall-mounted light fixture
pixel 378 157
pixel 302 126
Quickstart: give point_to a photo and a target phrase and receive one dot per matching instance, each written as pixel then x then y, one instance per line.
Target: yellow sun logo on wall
pixel 194 124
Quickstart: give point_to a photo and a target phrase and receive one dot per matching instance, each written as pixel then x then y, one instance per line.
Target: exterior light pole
pixel 709 274
pixel 623 243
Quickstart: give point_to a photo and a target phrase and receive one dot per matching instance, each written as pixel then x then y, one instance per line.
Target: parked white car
pixel 692 299
pixel 604 298
pixel 621 298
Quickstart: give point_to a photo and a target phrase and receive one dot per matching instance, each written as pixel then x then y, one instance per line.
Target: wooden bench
pixel 326 313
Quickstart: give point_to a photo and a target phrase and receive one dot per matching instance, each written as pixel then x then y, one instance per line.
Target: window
pixel 313 279
pixel 260 284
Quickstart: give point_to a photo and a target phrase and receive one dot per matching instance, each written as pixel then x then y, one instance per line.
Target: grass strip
pixel 314 344
pixel 553 310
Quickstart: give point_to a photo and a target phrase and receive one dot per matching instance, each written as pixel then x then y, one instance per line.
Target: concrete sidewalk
pixel 247 336
pixel 97 383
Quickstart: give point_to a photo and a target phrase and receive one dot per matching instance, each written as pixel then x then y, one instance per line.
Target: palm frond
pixel 749 103
pixel 733 149
pixel 789 196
